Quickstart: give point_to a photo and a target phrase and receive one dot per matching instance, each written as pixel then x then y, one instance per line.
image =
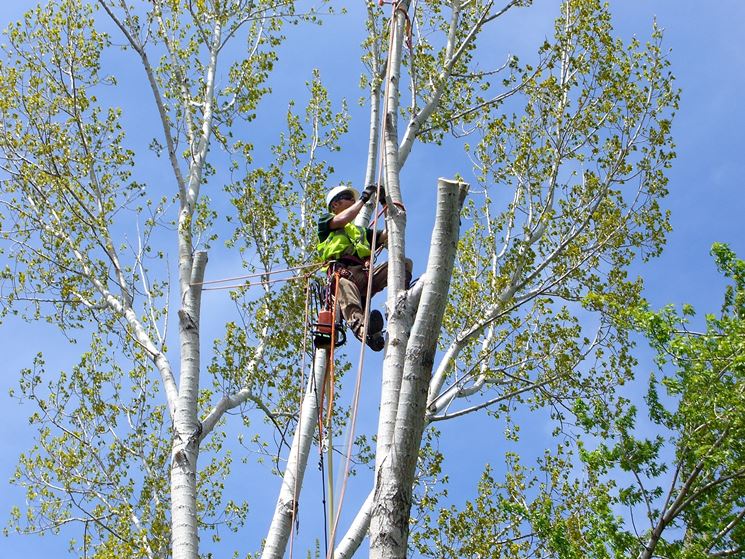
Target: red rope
pixel 332 350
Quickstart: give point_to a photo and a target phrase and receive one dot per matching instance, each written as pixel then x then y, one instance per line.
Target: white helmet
pixel 334 192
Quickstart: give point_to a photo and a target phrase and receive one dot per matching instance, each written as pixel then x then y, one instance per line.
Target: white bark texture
pixel 187 428
pixel 394 479
pixel 396 223
pixel 292 481
pixel 184 525
pixel 357 531
pixel 363 218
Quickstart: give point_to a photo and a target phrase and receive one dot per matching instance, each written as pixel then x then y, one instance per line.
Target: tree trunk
pixel 396 223
pixel 389 526
pixel 185 451
pixel 281 526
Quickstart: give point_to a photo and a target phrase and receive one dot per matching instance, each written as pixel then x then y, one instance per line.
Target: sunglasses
pixel 343 196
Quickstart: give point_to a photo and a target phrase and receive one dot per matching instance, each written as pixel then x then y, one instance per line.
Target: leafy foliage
pixel 85 238
pixel 612 490
pixel 700 512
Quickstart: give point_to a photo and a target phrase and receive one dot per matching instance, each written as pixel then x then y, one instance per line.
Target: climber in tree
pixel 346 247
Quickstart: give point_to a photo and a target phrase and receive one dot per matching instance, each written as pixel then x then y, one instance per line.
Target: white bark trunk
pixel 357 531
pixel 389 525
pixel 363 218
pixel 396 223
pixel 184 525
pixel 281 525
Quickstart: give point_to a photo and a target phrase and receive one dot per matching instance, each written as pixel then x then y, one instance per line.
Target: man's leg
pixel 350 303
pixel 380 276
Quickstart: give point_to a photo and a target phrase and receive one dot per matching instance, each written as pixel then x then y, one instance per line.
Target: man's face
pixel 342 202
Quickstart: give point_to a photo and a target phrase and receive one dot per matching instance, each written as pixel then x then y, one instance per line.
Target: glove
pixel 368 193
pixel 383 196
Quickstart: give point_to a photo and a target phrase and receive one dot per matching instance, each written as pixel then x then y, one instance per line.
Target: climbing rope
pixel 323 477
pixel 325 427
pixel 211 285
pixel 330 381
pixel 315 265
pixel 254 284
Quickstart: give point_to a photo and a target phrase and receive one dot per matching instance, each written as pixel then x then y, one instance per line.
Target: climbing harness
pixel 327 327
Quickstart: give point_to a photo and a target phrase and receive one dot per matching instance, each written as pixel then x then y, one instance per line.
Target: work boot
pixel 374 323
pixel 375 339
pixel 376 342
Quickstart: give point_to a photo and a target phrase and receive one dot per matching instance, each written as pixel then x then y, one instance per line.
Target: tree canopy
pixel 521 313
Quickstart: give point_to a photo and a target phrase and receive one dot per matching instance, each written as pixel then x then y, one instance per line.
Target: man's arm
pixel 346 216
pixel 381 237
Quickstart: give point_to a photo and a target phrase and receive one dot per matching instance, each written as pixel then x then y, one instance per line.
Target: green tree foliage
pixel 698 402
pixel 620 492
pixel 581 167
pixel 572 167
pixel 86 236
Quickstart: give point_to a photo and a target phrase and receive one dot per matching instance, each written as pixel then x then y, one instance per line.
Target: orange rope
pixel 320 446
pixel 330 361
pixel 332 349
pixel 330 381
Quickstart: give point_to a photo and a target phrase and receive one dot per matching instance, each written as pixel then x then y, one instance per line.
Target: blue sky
pixel 706 197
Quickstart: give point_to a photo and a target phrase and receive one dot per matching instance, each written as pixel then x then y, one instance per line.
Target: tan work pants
pixel 353 288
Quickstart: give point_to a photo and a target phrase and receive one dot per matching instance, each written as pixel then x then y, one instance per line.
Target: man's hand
pixel 383 197
pixel 369 192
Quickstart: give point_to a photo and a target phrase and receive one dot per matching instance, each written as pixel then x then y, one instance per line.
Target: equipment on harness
pixel 328 327
pixel 325 328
